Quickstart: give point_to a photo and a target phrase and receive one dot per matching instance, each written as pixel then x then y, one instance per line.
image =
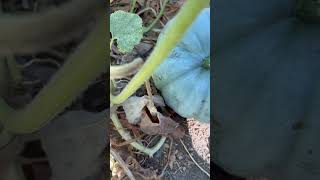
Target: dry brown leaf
pixel 136 168
pixel 166 126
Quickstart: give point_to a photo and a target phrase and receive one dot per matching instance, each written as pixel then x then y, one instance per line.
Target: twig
pixel 168 161
pixel 194 160
pixel 124 166
pixel 153 110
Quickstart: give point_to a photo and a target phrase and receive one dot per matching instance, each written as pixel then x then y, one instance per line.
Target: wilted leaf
pixel 134 106
pixel 127 29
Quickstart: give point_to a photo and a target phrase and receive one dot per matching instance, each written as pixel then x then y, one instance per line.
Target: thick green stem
pixel 172 36
pixel 83 66
pixel 39 31
pixel 158 16
pixel 126 136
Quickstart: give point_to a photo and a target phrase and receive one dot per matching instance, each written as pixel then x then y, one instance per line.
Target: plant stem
pixel 126 136
pixel 123 164
pixel 83 66
pixel 124 70
pixel 172 36
pixel 158 17
pixel 133 5
pixel 39 31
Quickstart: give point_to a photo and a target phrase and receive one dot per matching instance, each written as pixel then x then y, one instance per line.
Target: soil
pixel 180 166
pixel 197 143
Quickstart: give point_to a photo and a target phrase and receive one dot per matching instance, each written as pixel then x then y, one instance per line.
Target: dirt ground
pixel 179 164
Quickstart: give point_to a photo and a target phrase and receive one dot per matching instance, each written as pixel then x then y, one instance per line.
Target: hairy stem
pixel 172 36
pixel 158 17
pixel 38 31
pixel 83 66
pixel 126 136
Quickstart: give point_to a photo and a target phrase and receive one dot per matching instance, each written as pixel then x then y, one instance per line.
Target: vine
pixel 83 66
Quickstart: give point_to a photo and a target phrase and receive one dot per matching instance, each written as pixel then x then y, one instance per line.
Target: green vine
pixel 37 31
pixel 158 17
pixel 173 34
pixel 83 66
pixel 133 5
pixel 126 136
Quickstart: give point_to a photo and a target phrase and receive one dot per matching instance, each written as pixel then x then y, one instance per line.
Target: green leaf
pixel 127 29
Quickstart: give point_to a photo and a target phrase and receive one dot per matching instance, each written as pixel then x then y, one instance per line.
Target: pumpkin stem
pixel 206 63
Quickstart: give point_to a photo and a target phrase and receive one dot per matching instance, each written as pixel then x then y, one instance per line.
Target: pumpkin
pixel 266 98
pixel 184 77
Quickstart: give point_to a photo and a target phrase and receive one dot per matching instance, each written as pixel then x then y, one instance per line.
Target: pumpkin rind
pixel 184 83
pixel 267 93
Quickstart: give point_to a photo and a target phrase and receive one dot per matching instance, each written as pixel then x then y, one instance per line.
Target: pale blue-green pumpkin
pixel 266 97
pixel 184 77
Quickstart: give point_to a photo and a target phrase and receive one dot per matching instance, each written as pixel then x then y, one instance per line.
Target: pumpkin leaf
pixel 126 28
